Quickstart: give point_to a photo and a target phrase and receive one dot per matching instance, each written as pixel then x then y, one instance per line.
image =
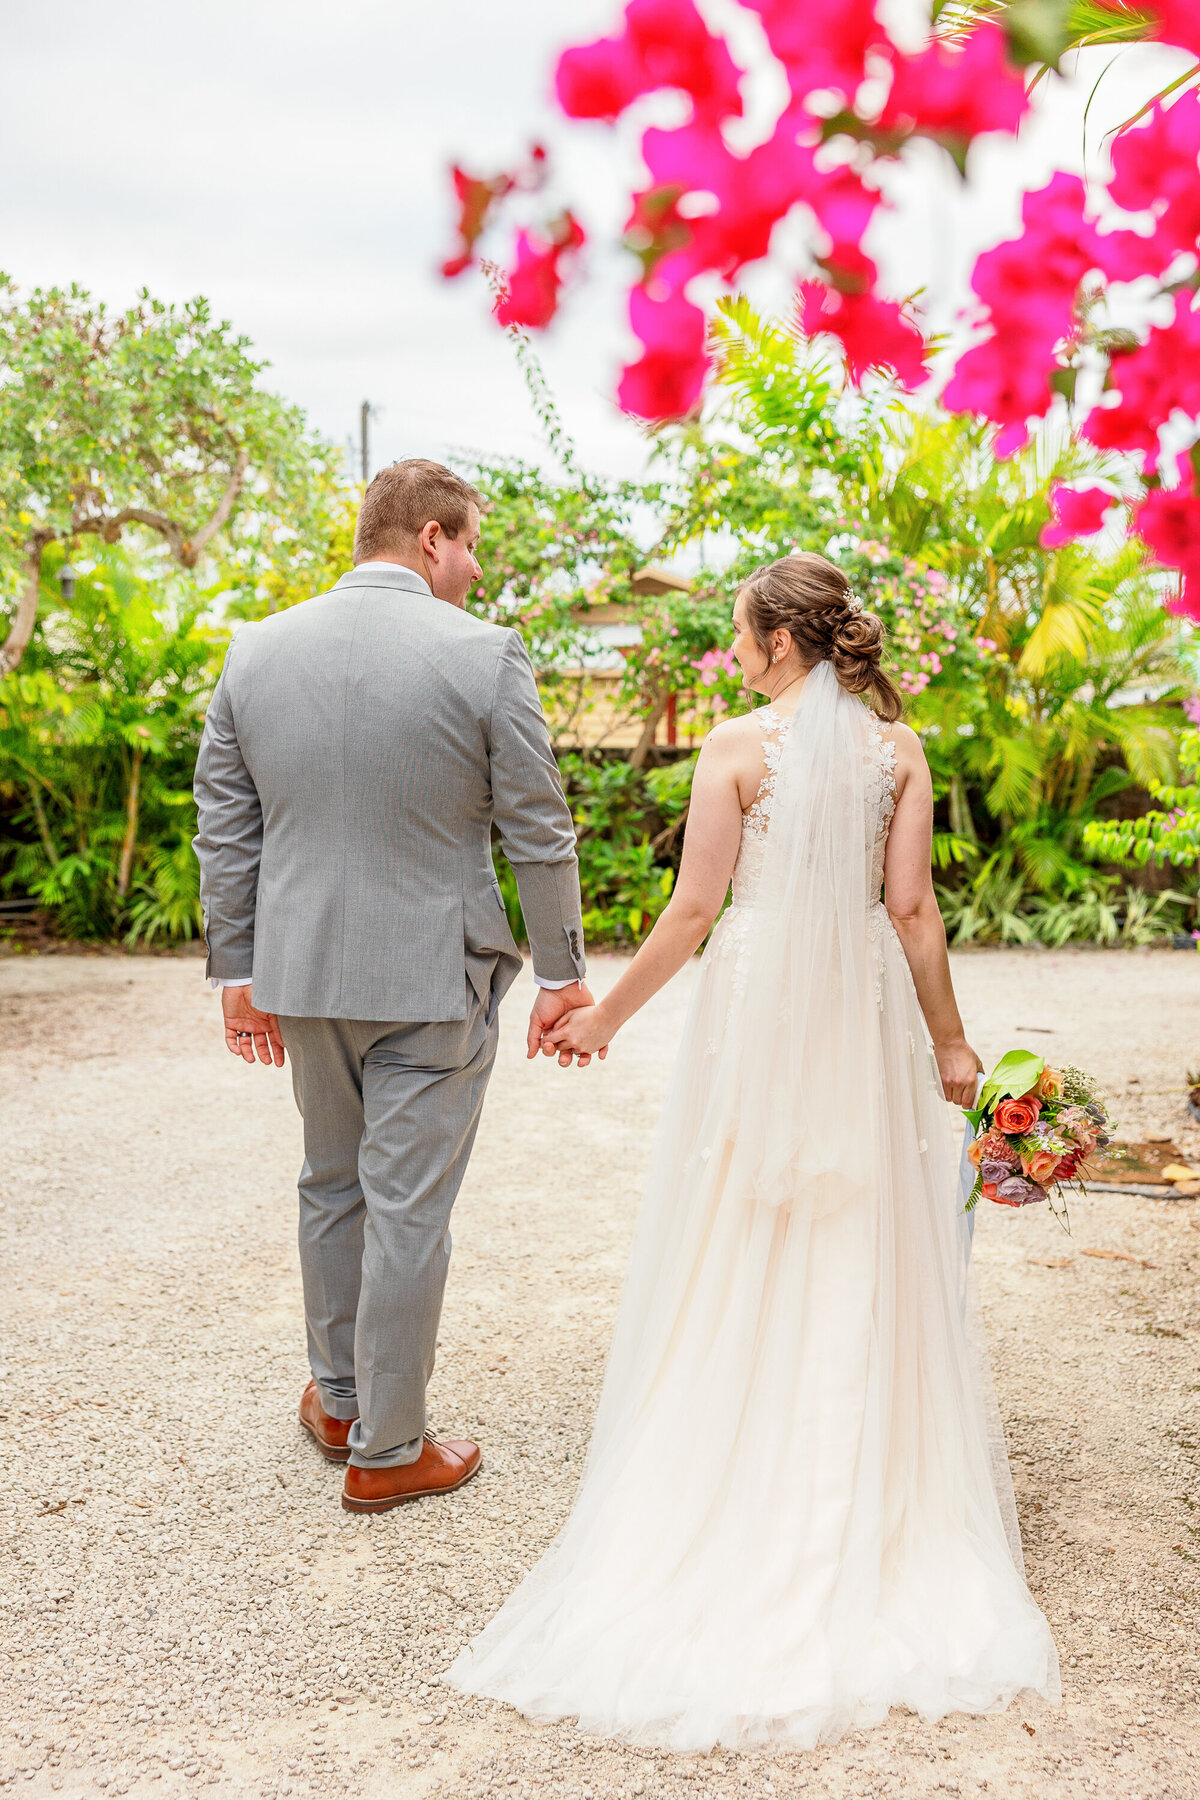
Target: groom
pixel 356 752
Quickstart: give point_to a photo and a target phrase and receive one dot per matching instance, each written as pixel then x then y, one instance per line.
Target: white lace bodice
pixel 756 820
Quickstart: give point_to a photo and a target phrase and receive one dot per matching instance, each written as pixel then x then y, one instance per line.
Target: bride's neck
pixel 785 689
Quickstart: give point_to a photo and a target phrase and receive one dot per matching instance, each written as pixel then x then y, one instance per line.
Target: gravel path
pixel 184 1604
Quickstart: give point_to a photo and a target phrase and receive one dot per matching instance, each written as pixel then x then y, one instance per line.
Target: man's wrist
pixel 554 987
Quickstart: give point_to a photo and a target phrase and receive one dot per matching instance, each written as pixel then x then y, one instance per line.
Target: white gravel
pixel 185 1605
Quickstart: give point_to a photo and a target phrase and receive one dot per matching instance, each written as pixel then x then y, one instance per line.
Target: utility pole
pixel 366 425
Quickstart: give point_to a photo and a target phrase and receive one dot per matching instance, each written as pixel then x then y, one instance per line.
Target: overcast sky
pixel 289 160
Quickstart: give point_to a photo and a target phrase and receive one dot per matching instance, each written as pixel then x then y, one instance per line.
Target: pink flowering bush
pixel 1049 301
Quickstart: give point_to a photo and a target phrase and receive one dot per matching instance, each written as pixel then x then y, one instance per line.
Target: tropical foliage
pixel 1046 682
pixel 1054 331
pixel 148 427
pixel 98 735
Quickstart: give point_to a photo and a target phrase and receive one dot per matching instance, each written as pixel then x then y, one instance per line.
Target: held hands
pixel 552 1011
pixel 958 1067
pixel 585 1031
pixel 249 1032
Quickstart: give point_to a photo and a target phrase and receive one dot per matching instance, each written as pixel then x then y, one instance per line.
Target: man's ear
pixel 431 534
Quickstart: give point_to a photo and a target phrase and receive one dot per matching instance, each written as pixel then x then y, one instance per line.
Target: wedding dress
pixel 796 1509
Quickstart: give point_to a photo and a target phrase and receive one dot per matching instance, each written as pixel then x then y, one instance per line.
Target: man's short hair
pixel 402 500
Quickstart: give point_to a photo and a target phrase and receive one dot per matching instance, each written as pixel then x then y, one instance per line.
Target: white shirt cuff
pixel 220 981
pixel 555 985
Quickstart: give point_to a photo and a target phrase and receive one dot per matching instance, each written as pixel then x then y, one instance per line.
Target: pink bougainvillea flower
pixel 953 94
pixel 656 228
pixel 668 377
pixel 1006 380
pixel 1168 520
pixel 874 333
pixel 1156 170
pixel 476 195
pixel 1178 20
pixel 751 193
pixel 1030 285
pixel 822 46
pixel 1039 273
pixel 843 203
pixel 665 44
pixel 598 81
pixel 1151 381
pixel 1075 513
pixel 1180 23
pixel 533 285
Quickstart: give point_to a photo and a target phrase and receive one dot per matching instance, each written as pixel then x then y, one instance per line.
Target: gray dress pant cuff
pixel 386 1459
pixel 337 1405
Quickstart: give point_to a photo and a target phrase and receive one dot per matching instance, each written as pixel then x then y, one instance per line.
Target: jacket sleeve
pixel 228 841
pixel 534 820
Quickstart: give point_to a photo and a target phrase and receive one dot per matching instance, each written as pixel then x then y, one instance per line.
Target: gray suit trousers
pixel 390 1115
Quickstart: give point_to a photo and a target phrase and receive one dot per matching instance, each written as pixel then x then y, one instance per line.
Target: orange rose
pixel 1040 1166
pixel 1050 1084
pixel 975 1152
pixel 989 1190
pixel 1018 1116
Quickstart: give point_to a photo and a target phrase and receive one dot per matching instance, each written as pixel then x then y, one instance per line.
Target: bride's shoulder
pixel 907 742
pixel 907 755
pixel 734 739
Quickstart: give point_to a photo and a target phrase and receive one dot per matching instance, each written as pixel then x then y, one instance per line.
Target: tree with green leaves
pixel 98 734
pixel 148 424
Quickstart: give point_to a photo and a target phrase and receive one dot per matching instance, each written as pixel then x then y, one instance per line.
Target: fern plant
pixel 1161 836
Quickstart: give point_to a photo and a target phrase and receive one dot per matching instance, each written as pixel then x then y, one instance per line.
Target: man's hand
pixel 551 1006
pixel 248 1032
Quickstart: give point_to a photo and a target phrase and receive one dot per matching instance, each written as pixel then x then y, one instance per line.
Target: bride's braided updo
pixel 810 597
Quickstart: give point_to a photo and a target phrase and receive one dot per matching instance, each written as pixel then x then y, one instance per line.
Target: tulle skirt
pixel 796 1511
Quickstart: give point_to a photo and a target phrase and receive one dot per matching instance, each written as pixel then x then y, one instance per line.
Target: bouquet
pixel 1034 1128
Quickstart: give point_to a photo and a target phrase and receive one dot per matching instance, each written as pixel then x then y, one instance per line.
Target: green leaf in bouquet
pixel 1013 1075
pixel 976 1114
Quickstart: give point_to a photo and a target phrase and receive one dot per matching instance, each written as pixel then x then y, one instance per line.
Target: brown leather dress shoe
pixel 328 1433
pixel 439 1469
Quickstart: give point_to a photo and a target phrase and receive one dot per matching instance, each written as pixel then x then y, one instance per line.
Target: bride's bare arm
pixel 913 909
pixel 710 850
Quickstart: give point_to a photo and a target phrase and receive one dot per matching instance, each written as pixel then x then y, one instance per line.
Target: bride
pixel 796 1510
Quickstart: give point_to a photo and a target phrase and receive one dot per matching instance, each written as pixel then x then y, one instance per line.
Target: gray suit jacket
pixel 356 751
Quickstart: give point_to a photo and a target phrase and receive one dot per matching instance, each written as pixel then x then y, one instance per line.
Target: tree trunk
pixel 14 645
pixel 132 803
pixel 640 755
pixel 961 822
pixel 43 825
